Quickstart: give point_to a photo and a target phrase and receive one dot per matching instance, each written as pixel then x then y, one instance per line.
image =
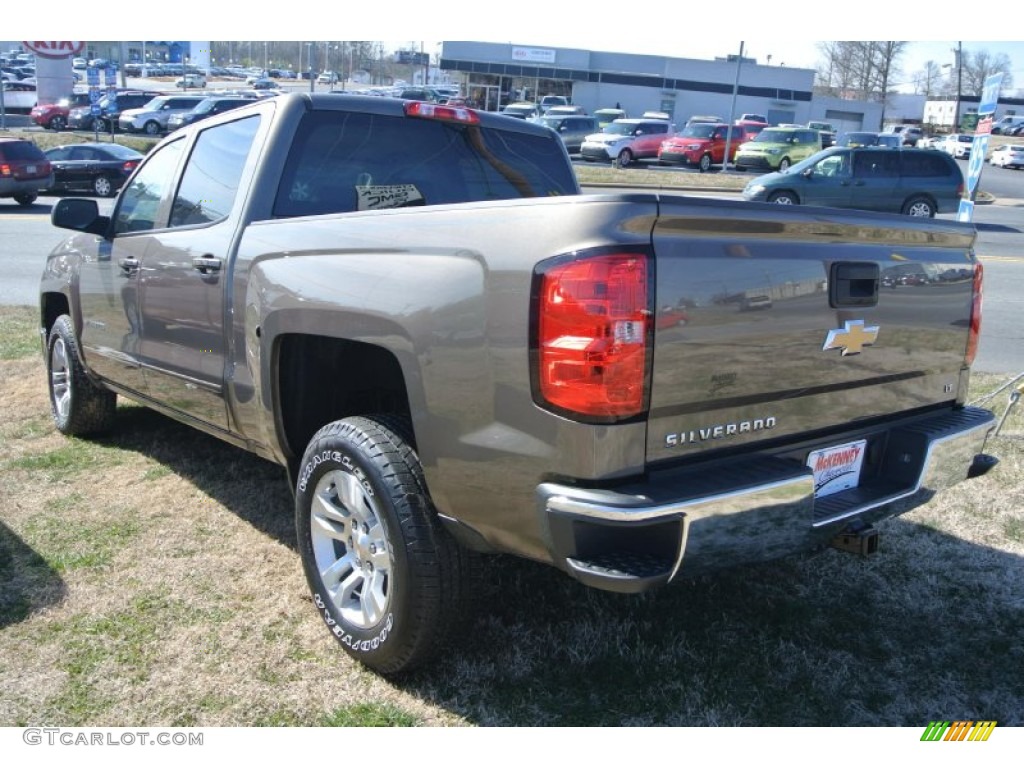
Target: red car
pixel 702 145
pixel 55 116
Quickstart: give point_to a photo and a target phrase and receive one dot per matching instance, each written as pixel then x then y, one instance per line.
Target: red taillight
pixel 5 169
pixel 441 112
pixel 975 328
pixel 592 335
pixel 129 166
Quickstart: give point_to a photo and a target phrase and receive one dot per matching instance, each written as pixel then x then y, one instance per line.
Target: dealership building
pixel 493 73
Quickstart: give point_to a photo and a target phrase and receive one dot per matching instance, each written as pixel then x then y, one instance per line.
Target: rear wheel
pixel 388 580
pixel 102 186
pixel 919 206
pixel 783 198
pixel 78 406
pixel 25 198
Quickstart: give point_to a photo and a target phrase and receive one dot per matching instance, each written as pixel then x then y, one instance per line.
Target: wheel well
pixel 52 306
pixel 321 379
pixel 921 196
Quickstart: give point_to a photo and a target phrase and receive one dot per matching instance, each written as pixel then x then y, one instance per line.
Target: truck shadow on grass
pixel 932 628
pixel 27 582
pixel 249 487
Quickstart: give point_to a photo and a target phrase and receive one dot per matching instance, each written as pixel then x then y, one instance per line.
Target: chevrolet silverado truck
pixel 412 309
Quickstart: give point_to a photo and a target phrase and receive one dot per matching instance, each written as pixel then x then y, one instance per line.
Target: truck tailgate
pixel 769 322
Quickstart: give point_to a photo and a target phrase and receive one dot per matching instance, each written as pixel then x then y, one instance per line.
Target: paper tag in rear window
pixel 837 468
pixel 377 197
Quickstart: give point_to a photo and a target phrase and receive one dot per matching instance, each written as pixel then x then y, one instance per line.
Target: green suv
pixel 775 149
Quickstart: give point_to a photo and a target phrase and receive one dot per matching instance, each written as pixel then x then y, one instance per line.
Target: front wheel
pixel 784 164
pixel 58 123
pixel 152 128
pixel 101 125
pixel 783 198
pixel 919 206
pixel 625 158
pixel 705 163
pixel 78 406
pixel 390 583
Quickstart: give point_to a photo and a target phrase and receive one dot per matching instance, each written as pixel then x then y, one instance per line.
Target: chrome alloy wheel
pixel 351 549
pixel 60 379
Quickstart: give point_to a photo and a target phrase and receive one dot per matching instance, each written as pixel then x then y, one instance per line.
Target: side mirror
pixel 808 173
pixel 79 215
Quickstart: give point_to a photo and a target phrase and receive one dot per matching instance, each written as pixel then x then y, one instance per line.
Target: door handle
pixel 129 265
pixel 207 265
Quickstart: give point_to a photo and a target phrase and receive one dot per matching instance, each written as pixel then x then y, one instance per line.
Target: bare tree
pixel 979 65
pixel 929 81
pixel 859 69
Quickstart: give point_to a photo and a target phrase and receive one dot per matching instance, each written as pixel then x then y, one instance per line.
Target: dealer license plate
pixel 837 468
pixel 30 169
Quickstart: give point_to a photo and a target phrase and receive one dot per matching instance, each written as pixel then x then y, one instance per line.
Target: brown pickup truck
pixel 412 308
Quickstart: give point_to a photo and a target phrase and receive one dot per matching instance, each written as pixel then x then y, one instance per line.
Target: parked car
pixel 571 129
pixel 19 96
pixel 777 148
pixel 264 84
pixel 191 81
pixel 751 117
pixel 522 110
pixel 208 107
pixel 24 170
pixel 1008 125
pixel 110 108
pixel 99 168
pixel 152 117
pixel 909 135
pixel 328 78
pixel 890 140
pixel 912 181
pixel 55 116
pixel 859 139
pixel 608 115
pixel 1008 156
pixel 571 109
pixel 702 145
pixel 959 144
pixel 552 101
pixel 931 142
pixel 624 141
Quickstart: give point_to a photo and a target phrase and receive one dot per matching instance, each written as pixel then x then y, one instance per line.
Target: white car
pixel 1009 156
pixel 191 81
pixel 959 144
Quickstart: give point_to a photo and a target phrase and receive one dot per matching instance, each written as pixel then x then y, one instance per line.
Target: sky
pixel 673 29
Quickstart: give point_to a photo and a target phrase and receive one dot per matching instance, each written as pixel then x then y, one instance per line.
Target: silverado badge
pixel 852 338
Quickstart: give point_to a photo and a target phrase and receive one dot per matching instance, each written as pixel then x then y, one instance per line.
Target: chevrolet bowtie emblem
pixel 852 338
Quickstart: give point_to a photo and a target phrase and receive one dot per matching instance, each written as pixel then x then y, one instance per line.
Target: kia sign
pixel 60 49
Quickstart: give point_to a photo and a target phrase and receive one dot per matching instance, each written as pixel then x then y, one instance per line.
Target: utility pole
pixel 959 85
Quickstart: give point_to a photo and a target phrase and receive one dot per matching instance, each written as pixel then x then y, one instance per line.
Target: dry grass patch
pixel 150 578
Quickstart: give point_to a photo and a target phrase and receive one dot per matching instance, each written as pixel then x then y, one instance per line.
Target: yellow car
pixel 775 149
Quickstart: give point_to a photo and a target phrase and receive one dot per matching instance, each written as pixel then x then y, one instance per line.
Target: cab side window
pixel 139 205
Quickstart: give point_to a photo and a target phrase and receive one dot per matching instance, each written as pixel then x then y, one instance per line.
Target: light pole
pixel 959 84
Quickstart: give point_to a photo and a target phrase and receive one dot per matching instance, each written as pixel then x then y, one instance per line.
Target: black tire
pixel 103 186
pixel 152 128
pixel 58 123
pixel 784 197
pixel 78 406
pixel 784 164
pixel 625 158
pixel 25 198
pixel 388 580
pixel 919 206
pixel 705 163
pixel 100 124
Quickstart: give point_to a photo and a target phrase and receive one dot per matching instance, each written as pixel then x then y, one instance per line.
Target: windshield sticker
pixel 373 198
